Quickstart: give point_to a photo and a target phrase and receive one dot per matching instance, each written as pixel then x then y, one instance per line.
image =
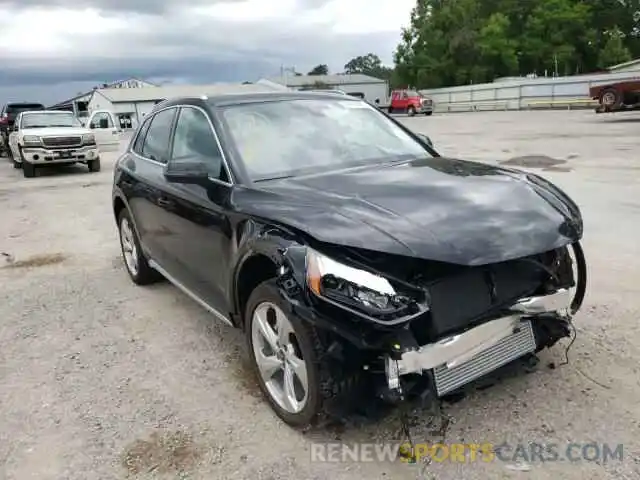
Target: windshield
pixel 43 120
pixel 295 137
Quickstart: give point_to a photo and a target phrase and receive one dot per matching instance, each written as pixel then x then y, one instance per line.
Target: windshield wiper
pixel 273 178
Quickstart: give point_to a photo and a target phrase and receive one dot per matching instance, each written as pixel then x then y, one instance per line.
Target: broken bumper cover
pixel 459 359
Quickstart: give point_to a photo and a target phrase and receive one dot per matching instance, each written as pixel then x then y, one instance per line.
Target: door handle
pixel 164 202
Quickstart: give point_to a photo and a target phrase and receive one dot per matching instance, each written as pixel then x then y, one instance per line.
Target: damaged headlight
pixel 361 292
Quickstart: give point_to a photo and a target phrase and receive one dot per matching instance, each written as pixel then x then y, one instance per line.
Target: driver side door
pixel 103 126
pixel 198 249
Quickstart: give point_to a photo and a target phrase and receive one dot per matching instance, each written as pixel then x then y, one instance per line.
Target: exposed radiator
pixel 505 351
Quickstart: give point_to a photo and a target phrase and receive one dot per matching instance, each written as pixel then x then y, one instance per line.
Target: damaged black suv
pixel 348 250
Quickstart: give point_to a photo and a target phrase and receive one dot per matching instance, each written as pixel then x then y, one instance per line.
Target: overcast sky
pixel 52 49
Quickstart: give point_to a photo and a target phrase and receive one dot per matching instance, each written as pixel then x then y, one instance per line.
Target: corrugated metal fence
pixel 518 94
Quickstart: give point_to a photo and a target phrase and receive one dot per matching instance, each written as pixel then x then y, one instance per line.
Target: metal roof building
pixel 130 105
pixel 356 84
pixel 631 66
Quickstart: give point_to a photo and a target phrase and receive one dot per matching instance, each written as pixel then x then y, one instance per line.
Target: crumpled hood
pixel 56 131
pixel 436 209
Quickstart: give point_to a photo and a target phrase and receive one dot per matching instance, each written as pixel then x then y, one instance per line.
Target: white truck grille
pixel 508 349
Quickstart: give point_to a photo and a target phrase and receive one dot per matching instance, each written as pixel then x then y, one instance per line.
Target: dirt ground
pixel 100 379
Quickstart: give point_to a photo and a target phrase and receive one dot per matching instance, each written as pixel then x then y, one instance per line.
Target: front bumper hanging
pixel 459 359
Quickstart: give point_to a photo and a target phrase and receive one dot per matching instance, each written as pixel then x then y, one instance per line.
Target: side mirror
pixel 425 139
pixel 188 171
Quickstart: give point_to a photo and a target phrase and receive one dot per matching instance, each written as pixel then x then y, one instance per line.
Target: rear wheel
pixel 287 356
pixel 610 98
pixel 134 260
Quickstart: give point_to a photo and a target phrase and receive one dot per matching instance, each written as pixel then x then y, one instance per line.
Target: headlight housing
pixel 89 139
pixel 31 141
pixel 360 292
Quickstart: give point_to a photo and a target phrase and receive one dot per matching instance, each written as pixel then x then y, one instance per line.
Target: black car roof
pixel 239 98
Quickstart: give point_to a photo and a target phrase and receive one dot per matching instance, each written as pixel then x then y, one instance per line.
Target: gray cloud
pixel 149 7
pixel 194 49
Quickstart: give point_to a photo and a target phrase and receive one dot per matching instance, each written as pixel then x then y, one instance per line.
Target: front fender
pixel 256 240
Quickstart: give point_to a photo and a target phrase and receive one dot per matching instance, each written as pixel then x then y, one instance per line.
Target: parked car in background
pixel 410 102
pixel 616 97
pixel 40 138
pixel 8 116
pixel 358 261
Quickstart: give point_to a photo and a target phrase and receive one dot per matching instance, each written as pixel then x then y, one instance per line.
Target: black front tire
pixel 322 385
pixel 145 275
pixel 28 169
pixel 94 165
pixel 428 113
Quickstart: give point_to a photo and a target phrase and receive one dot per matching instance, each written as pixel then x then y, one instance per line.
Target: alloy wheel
pixel 278 358
pixel 129 248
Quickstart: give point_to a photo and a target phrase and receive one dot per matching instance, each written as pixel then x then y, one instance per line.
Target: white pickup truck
pixel 56 137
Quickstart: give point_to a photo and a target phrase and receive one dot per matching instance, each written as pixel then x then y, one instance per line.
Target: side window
pixel 156 141
pixel 137 146
pixel 101 120
pixel 194 140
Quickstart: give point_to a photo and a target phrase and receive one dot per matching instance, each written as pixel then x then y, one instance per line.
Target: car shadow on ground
pixel 61 170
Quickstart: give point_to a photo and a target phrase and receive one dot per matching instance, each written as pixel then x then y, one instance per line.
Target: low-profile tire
pixel 296 348
pixel 28 169
pixel 94 165
pixel 411 111
pixel 134 260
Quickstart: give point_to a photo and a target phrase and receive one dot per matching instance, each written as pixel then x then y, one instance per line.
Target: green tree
pixel 498 50
pixel 458 42
pixel 366 64
pixel 614 50
pixel 321 69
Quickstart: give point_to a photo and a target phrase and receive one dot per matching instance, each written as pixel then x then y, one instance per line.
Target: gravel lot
pixel 100 379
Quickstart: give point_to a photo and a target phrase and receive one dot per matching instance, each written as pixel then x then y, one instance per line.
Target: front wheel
pixel 94 165
pixel 287 358
pixel 28 169
pixel 429 113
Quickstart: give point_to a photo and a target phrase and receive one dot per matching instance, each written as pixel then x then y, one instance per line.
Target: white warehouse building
pixel 131 105
pixel 356 84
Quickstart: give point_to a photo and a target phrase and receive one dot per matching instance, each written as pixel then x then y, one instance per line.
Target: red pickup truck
pixel 615 97
pixel 410 102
